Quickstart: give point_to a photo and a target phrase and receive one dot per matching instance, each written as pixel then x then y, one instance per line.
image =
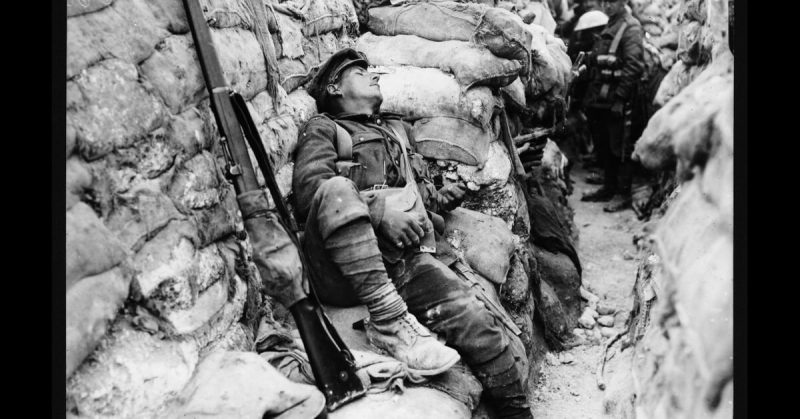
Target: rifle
pixel 276 249
pixel 578 67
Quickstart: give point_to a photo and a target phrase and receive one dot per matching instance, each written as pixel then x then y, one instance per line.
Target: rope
pixel 246 20
pixel 256 9
pixel 277 25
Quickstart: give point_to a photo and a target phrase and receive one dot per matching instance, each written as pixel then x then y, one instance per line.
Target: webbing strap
pixel 617 38
pixel 344 143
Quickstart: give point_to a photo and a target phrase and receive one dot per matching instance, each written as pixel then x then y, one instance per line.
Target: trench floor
pixel 567 388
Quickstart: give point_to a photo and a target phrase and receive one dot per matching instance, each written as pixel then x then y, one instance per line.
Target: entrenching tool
pixel 276 249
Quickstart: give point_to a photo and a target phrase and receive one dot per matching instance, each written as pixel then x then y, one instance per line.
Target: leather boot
pixel 408 341
pixel 625 178
pixel 504 383
pixel 604 194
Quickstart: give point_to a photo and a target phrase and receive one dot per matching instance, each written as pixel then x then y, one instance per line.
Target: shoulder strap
pixel 617 38
pixel 344 143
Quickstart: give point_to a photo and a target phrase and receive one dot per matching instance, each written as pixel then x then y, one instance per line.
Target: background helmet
pixel 591 19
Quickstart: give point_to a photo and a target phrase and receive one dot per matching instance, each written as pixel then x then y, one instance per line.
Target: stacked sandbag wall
pixel 444 65
pixel 681 329
pixel 686 42
pixel 158 273
pixel 682 32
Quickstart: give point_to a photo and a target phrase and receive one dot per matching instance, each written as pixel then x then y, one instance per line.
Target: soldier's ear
pixel 333 90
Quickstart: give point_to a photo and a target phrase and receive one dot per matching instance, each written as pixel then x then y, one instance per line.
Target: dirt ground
pixel 569 390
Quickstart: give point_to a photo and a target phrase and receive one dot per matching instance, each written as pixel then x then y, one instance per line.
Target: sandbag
pixel 230 384
pixel 298 71
pixel 550 65
pixel 514 95
pixel 695 43
pixel 448 138
pixel 542 16
pixel 472 65
pixel 501 31
pixel 324 16
pixel 485 241
pixel 676 79
pixel 558 271
pixel 91 248
pixel 427 92
pixel 495 171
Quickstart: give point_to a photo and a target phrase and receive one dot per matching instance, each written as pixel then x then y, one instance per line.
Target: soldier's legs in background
pixel 620 148
pixel 598 123
pixel 447 305
pixel 614 127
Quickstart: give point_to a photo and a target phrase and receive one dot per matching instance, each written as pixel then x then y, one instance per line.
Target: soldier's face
pixel 356 83
pixel 611 8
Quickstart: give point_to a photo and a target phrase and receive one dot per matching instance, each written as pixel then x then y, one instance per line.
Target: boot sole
pixel 437 371
pixel 421 373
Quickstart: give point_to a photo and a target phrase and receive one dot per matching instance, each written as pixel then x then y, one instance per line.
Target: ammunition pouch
pixel 608 67
pixel 606 61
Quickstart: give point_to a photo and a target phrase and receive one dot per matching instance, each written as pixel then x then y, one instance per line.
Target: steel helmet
pixel 591 19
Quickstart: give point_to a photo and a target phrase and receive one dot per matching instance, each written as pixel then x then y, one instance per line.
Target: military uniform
pixel 614 81
pixel 327 199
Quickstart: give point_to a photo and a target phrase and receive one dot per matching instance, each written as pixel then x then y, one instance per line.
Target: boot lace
pixel 415 326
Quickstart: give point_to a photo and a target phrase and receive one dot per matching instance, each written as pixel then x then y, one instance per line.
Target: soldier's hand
pixel 402 228
pixel 451 195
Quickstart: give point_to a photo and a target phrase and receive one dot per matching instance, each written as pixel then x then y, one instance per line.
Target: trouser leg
pixel 626 177
pixel 343 252
pixel 598 119
pixel 618 166
pixel 447 305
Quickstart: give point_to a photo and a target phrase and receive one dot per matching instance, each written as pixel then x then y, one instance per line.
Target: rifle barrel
pixel 522 139
pixel 244 179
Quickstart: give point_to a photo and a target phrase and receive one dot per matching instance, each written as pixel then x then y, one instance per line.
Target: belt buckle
pixel 427 249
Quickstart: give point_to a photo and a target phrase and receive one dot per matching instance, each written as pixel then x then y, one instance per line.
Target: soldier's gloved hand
pixel 402 228
pixel 618 108
pixel 451 195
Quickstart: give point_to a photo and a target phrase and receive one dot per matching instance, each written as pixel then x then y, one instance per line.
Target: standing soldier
pixel 616 69
pixel 366 201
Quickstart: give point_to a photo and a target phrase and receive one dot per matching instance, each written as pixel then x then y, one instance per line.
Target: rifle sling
pixel 254 140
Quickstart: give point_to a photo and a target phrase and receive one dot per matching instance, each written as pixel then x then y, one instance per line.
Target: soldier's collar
pixel 613 23
pixel 362 117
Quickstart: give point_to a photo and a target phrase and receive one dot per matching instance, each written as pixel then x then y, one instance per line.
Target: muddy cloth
pixel 547 231
pixel 630 58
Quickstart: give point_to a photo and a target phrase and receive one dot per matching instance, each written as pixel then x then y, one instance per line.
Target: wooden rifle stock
pixel 331 361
